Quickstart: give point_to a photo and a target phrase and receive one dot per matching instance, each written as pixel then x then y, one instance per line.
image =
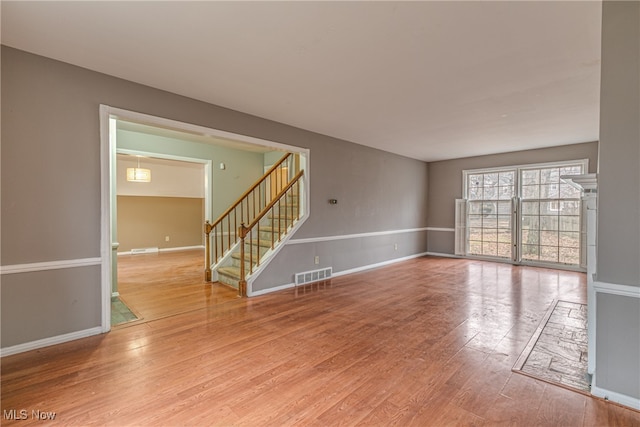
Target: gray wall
pixel 619 180
pixel 618 344
pixel 375 192
pixel 50 115
pixel 618 260
pixel 445 182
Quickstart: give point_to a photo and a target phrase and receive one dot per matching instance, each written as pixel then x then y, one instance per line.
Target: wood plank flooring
pixel 426 342
pixel 167 283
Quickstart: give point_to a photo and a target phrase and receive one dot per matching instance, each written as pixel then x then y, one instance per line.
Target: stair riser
pixel 256 252
pixel 247 264
pixel 228 280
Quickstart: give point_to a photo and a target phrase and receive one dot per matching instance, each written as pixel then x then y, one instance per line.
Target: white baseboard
pixel 182 248
pixel 269 290
pixel 443 255
pixel 59 339
pixel 377 265
pixel 340 273
pixel 612 396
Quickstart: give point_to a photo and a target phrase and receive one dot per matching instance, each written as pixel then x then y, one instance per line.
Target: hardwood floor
pixel 167 283
pixel 426 342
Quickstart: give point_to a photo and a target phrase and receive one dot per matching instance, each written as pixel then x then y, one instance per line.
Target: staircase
pixel 272 228
pixel 249 231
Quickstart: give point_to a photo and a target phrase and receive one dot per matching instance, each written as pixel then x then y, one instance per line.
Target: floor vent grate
pixel 144 251
pixel 313 276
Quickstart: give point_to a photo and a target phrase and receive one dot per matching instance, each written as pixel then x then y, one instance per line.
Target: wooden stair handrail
pixel 243 231
pixel 266 175
pixel 244 209
pixel 248 228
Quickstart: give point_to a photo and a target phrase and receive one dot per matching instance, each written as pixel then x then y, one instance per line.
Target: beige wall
pixel 144 222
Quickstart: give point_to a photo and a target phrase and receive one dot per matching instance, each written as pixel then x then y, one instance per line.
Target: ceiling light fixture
pixel 138 174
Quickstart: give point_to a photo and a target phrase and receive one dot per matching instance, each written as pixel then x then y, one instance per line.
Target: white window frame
pixel 516 232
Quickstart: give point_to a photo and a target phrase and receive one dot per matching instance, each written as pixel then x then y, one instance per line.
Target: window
pixel 489 221
pixel 525 213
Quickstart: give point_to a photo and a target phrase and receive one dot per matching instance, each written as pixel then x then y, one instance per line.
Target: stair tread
pixel 261 242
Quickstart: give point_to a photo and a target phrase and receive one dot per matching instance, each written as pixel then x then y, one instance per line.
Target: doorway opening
pixel 163 275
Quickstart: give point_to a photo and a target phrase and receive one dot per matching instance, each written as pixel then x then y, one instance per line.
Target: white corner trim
pixel 612 288
pixel 59 339
pixel 622 399
pixel 49 265
pixel 451 230
pixel 354 236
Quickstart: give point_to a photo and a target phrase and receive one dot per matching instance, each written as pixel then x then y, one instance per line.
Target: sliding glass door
pixel 525 214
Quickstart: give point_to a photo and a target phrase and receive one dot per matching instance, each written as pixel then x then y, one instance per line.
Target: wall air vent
pixel 144 251
pixel 313 276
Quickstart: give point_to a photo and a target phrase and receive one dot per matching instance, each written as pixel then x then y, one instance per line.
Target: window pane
pixel 549 191
pixel 530 208
pixel 475 208
pixel 475 248
pixel 549 253
pixel 570 208
pixel 504 208
pixel 549 238
pixel 489 208
pixel 569 255
pixel 504 250
pixel 475 193
pixel 505 193
pixel 548 223
pixel 550 175
pixel 490 248
pixel 504 221
pixel 504 236
pixel 530 237
pixel 530 191
pixel 530 222
pixel 530 252
pixel 490 193
pixel 549 208
pixel 506 178
pixel 490 235
pixel 569 223
pixel 490 221
pixel 530 177
pixel 570 239
pixel 475 221
pixel 475 234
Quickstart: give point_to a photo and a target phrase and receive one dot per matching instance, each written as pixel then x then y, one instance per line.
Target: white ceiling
pixel 428 80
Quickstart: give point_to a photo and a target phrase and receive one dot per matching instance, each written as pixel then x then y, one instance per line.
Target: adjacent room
pixel 320 213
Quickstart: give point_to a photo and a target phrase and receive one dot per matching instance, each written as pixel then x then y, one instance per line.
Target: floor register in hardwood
pixel 425 342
